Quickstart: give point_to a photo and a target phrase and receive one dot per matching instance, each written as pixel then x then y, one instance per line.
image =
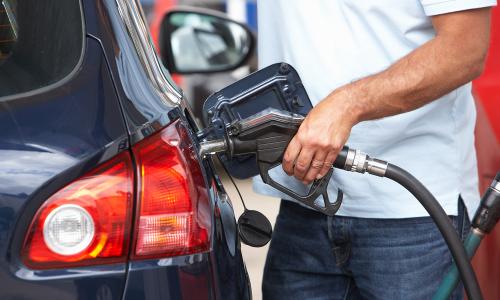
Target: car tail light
pixel 173 213
pixel 85 223
pixel 88 222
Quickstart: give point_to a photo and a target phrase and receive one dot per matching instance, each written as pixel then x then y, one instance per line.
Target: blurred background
pixel 197 87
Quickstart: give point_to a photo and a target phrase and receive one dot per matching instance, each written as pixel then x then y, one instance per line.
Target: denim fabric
pixel 313 256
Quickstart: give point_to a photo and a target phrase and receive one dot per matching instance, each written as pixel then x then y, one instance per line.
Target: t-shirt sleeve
pixel 437 7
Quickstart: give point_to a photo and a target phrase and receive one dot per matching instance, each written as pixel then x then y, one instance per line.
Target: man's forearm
pixel 429 72
pixel 454 57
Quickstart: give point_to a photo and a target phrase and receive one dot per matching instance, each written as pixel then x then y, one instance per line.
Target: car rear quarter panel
pixel 48 139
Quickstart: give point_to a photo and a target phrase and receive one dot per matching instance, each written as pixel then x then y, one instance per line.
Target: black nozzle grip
pixel 319 187
pixel 270 154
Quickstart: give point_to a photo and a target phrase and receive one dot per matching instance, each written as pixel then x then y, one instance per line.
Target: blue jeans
pixel 313 256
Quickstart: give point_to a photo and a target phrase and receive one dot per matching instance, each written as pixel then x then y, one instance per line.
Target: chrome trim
pixel 11 18
pixel 495 185
pixel 251 91
pixel 212 147
pixel 359 163
pixel 270 114
pixel 133 18
pixel 376 167
pixel 349 161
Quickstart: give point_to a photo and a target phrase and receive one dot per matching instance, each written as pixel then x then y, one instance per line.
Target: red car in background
pixel 487 93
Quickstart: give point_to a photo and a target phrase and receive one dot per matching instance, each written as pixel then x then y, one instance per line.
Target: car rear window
pixel 40 43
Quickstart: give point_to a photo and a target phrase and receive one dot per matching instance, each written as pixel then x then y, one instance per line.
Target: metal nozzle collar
pixel 349 161
pixel 376 167
pixel 359 164
pixel 212 147
pixel 357 161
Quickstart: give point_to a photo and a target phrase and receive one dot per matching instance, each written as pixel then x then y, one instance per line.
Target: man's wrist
pixel 348 100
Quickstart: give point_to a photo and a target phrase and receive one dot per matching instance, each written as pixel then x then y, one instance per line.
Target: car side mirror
pixel 203 41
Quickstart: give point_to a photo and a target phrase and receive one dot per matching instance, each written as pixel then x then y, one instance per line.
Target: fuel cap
pixel 254 228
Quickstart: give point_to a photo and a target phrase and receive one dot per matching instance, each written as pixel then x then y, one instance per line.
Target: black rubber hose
pixel 444 225
pixel 341 158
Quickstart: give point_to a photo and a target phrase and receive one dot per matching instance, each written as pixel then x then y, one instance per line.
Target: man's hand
pixel 320 137
pixel 454 57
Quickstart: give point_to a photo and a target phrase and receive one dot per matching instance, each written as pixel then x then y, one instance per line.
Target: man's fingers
pixel 330 158
pixel 290 156
pixel 303 163
pixel 317 164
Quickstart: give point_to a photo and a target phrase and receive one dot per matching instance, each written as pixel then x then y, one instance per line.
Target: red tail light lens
pixel 173 210
pixel 88 222
pixel 85 223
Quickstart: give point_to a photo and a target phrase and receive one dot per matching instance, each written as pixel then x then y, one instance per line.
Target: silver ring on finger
pixel 329 164
pixel 316 164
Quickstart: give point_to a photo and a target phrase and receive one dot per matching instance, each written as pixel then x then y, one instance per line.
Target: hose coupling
pixel 376 167
pixel 360 162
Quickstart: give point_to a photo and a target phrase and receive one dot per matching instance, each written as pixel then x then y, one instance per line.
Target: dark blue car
pixel 102 192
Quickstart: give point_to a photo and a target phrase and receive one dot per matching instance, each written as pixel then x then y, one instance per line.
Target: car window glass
pixel 40 43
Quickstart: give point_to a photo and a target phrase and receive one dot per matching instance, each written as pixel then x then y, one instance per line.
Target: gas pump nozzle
pixel 267 134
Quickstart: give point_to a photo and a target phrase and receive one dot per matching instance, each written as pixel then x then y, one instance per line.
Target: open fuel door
pixel 276 86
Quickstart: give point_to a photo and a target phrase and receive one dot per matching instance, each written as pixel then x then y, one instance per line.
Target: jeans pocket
pixel 463 220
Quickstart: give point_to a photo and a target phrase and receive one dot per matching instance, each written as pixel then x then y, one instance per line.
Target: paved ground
pixel 254 257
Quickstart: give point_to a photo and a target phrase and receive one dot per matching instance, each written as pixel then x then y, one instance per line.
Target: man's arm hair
pixel 454 57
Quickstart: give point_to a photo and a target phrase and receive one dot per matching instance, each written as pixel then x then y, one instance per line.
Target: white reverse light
pixel 68 229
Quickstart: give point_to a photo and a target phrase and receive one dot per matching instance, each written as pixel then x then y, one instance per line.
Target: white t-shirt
pixel 333 42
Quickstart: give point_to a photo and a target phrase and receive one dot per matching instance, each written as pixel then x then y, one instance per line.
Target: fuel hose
pixel 444 225
pixel 357 161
